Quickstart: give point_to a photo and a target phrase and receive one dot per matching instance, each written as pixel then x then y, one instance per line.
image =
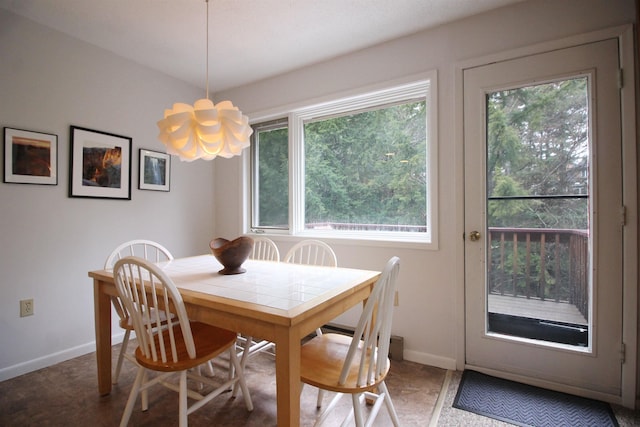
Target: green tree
pixel 273 178
pixel 537 172
pixel 537 140
pixel 368 167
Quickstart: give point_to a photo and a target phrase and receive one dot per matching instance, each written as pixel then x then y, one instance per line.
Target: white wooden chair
pixel 312 252
pixel 172 346
pixel 148 250
pixel 263 249
pixel 357 365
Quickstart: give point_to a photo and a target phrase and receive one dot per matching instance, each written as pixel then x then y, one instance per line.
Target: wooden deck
pixel 536 309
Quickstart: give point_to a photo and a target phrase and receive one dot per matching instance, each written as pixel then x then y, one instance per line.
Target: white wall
pixel 48 242
pixel 430 281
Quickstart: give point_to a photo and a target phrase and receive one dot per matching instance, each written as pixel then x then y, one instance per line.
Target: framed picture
pixel 100 164
pixel 30 157
pixel 155 170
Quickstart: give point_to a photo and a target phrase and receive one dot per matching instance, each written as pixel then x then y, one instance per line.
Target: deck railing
pixel 532 263
pixel 545 264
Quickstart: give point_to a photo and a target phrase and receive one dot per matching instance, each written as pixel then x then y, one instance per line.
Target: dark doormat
pixel 525 405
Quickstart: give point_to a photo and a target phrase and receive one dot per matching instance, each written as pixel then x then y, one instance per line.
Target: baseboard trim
pixel 410 355
pixel 430 360
pixel 52 359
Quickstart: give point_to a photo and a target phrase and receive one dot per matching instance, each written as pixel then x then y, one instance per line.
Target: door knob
pixel 474 236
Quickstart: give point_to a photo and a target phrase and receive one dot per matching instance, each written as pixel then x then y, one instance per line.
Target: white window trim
pixel 424 85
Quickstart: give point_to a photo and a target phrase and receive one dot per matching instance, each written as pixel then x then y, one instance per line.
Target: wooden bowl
pixel 231 253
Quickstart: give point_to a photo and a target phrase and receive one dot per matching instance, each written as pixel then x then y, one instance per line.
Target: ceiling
pixel 249 40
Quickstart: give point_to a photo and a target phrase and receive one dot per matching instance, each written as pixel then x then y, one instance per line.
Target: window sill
pixel 418 241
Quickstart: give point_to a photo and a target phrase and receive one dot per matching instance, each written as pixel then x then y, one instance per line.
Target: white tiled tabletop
pixel 273 284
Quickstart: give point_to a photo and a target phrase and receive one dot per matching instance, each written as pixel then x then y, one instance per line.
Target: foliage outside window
pixel 367 170
pixel 538 159
pixel 355 168
pixel 270 189
pixel 538 165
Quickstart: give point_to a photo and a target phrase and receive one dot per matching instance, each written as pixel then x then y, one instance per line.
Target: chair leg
pixel 133 395
pixel 209 367
pixel 145 393
pixel 243 361
pixel 320 396
pixel 320 391
pixel 182 406
pixel 357 410
pixel 389 404
pixel 245 352
pixel 198 370
pixel 328 410
pixel 239 372
pixel 123 351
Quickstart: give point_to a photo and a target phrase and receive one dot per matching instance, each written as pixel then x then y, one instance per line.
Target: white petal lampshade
pixel 204 130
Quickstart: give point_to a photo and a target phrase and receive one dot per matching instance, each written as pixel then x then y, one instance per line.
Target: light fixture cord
pixel 207 1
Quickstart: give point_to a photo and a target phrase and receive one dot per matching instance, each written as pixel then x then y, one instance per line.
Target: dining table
pixel 276 301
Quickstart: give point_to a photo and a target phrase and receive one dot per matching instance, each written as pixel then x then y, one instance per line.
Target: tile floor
pixel 66 395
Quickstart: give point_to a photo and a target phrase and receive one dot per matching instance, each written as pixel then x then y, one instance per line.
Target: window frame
pixel 423 87
pixel 253 213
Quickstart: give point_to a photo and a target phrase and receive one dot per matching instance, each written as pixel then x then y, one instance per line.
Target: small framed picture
pixel 30 157
pixel 100 165
pixel 155 170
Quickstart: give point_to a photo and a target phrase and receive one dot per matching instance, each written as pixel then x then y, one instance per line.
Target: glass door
pixel 543 193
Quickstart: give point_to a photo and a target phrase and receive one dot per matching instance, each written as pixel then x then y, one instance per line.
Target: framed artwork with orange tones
pixel 30 157
pixel 100 164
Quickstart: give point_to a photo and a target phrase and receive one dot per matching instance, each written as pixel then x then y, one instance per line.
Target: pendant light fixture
pixel 204 130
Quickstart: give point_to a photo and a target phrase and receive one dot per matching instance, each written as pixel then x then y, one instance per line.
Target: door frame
pixel 625 35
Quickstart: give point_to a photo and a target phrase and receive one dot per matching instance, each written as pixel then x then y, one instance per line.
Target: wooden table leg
pixel 288 378
pixel 102 307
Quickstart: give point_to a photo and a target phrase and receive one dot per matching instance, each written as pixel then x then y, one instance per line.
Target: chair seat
pixel 322 360
pixel 210 341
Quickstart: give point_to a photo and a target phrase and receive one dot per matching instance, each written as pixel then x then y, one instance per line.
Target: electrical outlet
pixel 26 307
pixel 396 299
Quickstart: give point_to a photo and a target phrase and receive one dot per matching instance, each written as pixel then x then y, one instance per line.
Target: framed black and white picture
pixel 30 157
pixel 155 170
pixel 100 164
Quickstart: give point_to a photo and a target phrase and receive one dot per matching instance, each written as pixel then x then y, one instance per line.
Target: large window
pixel 359 167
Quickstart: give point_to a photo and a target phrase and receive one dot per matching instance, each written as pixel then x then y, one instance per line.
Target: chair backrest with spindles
pixel 312 252
pixel 148 295
pixel 146 249
pixel 373 334
pixel 142 248
pixel 264 249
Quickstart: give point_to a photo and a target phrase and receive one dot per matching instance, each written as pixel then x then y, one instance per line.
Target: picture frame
pixel 100 164
pixel 155 170
pixel 30 157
